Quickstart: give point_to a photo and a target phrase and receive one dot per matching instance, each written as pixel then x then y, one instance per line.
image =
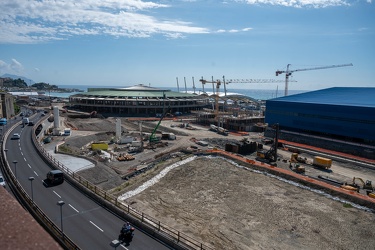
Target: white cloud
pixel 42 21
pixel 300 3
pixel 16 66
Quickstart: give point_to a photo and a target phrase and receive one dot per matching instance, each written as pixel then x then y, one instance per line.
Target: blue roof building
pixel 346 113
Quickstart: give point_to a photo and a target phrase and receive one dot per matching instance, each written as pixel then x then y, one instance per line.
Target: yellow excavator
pixel 365 185
pixel 355 187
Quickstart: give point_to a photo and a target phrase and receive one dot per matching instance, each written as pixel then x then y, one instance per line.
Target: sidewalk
pixel 73 163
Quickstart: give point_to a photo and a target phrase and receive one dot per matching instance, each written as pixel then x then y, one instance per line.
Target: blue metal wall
pixel 349 121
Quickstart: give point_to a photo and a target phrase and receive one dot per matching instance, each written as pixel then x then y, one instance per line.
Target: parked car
pixel 16 136
pixel 2 181
pixel 31 123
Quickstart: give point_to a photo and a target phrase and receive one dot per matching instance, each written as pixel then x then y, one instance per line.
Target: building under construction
pixel 232 112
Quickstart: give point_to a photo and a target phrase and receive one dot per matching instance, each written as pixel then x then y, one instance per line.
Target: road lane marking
pixel 36 173
pixel 57 194
pixel 96 226
pixel 124 246
pixel 73 208
pixel 29 166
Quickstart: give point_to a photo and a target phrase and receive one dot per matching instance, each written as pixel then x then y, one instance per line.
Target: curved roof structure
pixel 138 99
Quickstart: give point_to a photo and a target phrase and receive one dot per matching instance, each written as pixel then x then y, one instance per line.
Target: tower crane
pixel 218 83
pixel 289 72
pixel 251 81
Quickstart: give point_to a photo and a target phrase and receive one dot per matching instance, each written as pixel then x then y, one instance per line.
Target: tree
pixel 44 86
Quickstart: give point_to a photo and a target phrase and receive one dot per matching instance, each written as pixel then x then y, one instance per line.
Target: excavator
pixel 365 185
pixel 355 187
pixel 270 155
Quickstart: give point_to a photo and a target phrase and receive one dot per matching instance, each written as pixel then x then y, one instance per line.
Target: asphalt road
pixel 88 224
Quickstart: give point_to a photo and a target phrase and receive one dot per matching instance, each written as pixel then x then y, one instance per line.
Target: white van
pixel 25 121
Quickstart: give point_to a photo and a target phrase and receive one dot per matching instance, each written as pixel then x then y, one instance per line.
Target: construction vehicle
pixel 294 163
pixel 371 193
pixel 153 139
pixel 222 131
pixel 271 154
pixel 365 185
pixel 296 158
pixel 289 72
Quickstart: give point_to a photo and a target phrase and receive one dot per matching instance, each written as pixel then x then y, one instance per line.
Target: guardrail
pixel 29 204
pixel 168 235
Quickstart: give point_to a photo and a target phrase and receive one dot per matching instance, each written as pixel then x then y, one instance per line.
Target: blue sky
pixel 128 42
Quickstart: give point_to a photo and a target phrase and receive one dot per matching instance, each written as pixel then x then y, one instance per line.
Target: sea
pixel 258 94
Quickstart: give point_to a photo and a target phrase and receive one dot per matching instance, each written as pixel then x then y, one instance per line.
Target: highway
pixel 84 221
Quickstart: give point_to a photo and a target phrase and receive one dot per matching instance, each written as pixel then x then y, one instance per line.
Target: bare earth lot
pixel 227 207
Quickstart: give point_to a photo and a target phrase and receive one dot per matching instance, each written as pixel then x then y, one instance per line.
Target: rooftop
pixel 345 96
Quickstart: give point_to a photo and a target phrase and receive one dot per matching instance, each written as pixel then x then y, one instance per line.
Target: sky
pixel 157 43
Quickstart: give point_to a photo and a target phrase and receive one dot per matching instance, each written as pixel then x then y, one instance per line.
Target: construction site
pixel 226 178
pixel 219 201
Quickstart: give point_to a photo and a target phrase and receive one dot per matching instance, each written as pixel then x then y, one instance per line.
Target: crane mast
pixel 289 72
pixel 218 83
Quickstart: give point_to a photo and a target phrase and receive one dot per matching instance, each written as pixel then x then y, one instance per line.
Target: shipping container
pixel 322 162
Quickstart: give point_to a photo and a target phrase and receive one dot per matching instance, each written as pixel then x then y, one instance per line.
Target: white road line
pixel 124 246
pixel 36 173
pixel 22 154
pixel 73 208
pixel 29 166
pixel 96 226
pixel 24 159
pixel 57 194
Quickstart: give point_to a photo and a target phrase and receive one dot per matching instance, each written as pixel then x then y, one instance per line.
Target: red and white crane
pixel 289 72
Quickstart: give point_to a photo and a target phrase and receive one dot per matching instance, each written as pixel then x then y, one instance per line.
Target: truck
pixel 322 162
pixel 67 131
pixel 25 121
pixel 3 121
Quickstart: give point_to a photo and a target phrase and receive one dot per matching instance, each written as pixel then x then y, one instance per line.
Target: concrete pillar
pixel 118 128
pixel 56 122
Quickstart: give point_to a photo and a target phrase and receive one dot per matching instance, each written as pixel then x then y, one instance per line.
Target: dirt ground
pixel 228 207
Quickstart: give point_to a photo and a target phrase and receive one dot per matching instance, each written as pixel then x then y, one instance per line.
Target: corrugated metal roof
pixel 345 96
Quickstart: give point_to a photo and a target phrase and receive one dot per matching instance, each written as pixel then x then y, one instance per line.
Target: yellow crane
pixel 289 72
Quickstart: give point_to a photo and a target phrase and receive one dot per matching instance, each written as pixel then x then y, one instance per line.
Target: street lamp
pixel 61 203
pixel 32 193
pixel 15 168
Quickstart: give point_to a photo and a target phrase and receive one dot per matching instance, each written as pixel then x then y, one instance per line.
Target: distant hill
pixel 28 81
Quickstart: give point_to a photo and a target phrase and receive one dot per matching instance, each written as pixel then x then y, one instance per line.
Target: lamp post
pixel 61 203
pixel 32 192
pixel 15 168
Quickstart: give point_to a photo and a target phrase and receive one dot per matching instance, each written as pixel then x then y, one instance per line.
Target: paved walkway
pixel 74 164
